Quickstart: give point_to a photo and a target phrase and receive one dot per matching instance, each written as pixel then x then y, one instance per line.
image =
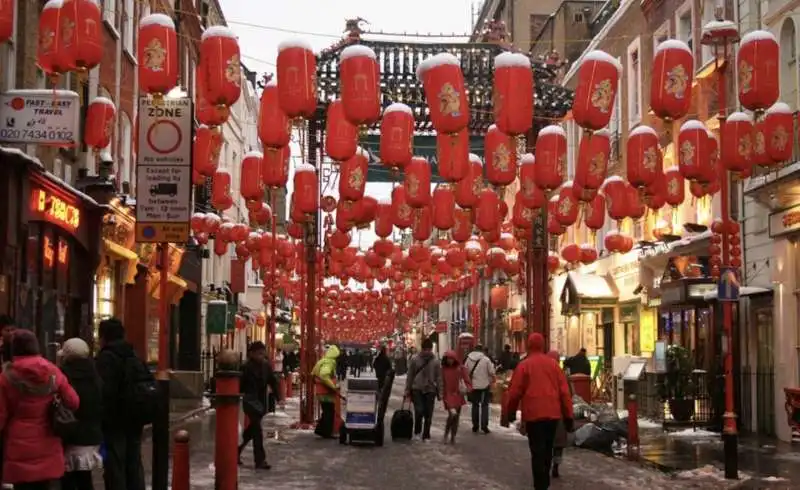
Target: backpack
pixel 139 394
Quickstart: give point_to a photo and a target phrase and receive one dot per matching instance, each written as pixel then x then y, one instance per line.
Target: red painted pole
pixel 310 316
pixel 180 461
pixel 633 428
pixel 160 474
pixel 273 305
pixel 226 435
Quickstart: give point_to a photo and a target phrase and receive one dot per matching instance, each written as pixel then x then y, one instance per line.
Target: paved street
pixel 499 461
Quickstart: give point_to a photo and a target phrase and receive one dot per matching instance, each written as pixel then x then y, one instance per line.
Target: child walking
pixel 560 441
pixel 456 384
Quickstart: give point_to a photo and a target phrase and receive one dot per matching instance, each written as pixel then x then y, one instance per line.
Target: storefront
pixel 588 303
pixel 50 245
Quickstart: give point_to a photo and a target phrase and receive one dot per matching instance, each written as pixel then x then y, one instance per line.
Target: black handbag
pixel 253 406
pixel 62 419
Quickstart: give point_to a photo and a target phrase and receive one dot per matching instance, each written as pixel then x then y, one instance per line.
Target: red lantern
pixel 403 214
pixel 779 124
pixel 551 156
pixel 220 59
pixel 157 54
pixel 530 195
pixel 487 212
pixel 384 222
pixel 339 239
pixel 553 263
pixel 443 83
pixel 81 35
pixel 760 155
pixel 553 226
pixel 359 84
pixel 675 187
pixel 592 166
pixel 636 208
pixel 275 167
pixel 644 160
pixel 567 207
pixel 671 82
pixel 397 135
pixel 468 188
pixel 598 80
pixel 588 254
pixel 594 214
pixel 500 155
pixel 417 182
pixel 498 297
pixel 297 75
pixel 462 226
pixel 522 216
pixel 571 253
pixel 221 190
pixel 220 248
pixel 758 67
pixel 353 178
pixel 453 155
pixel 197 222
pixel 250 177
pixel 100 117
pixel 364 211
pixel 423 224
pixel 617 196
pixel 444 205
pixel 655 195
pixel 50 55
pixel 341 136
pixel 737 153
pixel 693 151
pixel 206 148
pixel 207 113
pixel 274 127
pixel 306 189
pixel 512 93
pixel 614 241
pixel 7 8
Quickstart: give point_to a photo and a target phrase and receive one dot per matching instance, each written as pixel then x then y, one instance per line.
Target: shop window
pixel 104 297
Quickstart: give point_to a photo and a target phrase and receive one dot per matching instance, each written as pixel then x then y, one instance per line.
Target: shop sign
pixel 657 249
pixel 50 207
pixel 39 117
pixel 647 330
pixel 783 222
pixel 164 170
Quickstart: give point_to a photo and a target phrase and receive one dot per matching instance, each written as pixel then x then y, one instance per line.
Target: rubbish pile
pixel 598 426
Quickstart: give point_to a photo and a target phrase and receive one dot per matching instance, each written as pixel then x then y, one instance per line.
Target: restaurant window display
pixel 105 296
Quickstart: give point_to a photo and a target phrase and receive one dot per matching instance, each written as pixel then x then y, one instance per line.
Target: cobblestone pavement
pixel 499 461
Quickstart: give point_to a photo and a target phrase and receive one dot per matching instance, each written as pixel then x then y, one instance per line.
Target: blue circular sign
pixel 149 232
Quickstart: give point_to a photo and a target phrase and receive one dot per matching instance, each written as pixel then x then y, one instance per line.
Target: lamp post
pixel 721 34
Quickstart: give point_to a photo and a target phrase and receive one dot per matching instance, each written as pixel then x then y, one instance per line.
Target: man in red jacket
pixel 540 388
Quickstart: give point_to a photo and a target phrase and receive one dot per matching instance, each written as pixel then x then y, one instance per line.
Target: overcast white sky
pixel 262 24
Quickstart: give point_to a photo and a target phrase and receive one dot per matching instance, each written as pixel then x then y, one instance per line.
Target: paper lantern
pixel 500 155
pixel 220 248
pixel 50 54
pixel 553 226
pixel 498 297
pixel 571 253
pixel 220 60
pixel 551 157
pixel 760 155
pixel 443 83
pixel 452 152
pixel 353 176
pixel 80 33
pixel 444 205
pixel 598 80
pixel 693 151
pixel 644 160
pixel 341 136
pixel 675 187
pixel 384 222
pixel 779 125
pixel 553 263
pixel 567 207
pixel 306 189
pixel 594 213
pixel 157 54
pixel 422 227
pixel 402 212
pixel 614 242
pixel 487 212
pixel 462 225
pixel 221 190
pixel 615 190
pixel 250 176
pixel 468 188
pixel 758 68
pixel 359 84
pixel 737 151
pixel 588 254
pixel 512 93
pixel 364 211
pixel 297 78
pixel 417 182
pixel 207 113
pixel 397 135
pixel 529 194
pixel 522 216
pixel 275 167
pixel 274 127
pixel 7 8
pixel 345 215
pixel 100 117
pixel 671 82
pixel 592 165
pixel 635 204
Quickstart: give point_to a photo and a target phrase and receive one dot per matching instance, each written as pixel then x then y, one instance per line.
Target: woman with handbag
pixel 257 376
pixel 32 390
pixel 455 385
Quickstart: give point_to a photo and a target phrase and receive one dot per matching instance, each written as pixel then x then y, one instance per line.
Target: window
pixel 577 17
pixel 788 42
pixel 125 157
pixel 127 27
pixel 684 24
pixel 102 92
pixel 572 148
pixel 111 15
pixel 707 11
pixel 634 84
pixel 660 35
pixel 104 297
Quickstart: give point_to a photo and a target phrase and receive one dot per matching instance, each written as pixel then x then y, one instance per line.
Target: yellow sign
pixel 162 232
pixel 647 330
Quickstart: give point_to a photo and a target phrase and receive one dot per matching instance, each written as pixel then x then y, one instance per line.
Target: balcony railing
pixel 603 15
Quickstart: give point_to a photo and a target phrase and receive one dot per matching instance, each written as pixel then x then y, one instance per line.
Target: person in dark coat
pixel 506 359
pixel 82 445
pixel 257 376
pixel 382 365
pixel 123 440
pixel 579 363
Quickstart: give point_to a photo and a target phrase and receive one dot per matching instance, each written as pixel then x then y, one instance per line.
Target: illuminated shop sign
pixel 55 209
pixel 51 254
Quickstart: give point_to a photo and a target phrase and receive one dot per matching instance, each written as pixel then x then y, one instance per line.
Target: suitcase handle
pixel 406 403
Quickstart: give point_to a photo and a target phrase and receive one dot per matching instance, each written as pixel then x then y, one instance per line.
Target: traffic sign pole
pixel 161 423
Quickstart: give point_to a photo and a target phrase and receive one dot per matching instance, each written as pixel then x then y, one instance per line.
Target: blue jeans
pixel 423 412
pixel 480 408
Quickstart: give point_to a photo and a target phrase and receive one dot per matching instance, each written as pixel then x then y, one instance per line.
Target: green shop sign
pixel 424 146
pixel 217 317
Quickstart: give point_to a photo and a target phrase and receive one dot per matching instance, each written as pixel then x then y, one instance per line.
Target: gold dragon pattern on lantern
pixel 602 96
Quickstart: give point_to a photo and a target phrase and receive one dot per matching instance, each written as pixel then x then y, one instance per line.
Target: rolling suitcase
pixel 402 427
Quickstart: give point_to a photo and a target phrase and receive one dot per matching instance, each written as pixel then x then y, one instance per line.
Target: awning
pixel 129 257
pixel 591 286
pixel 743 291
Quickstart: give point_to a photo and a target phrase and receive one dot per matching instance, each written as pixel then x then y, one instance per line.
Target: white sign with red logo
pixel 783 222
pixel 46 117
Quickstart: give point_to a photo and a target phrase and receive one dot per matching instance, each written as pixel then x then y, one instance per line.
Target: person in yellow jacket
pixel 326 390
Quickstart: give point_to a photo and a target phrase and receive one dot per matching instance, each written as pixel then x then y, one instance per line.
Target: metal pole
pixel 273 306
pixel 729 435
pixel 161 441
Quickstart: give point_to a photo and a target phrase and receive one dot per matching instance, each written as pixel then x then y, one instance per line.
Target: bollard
pixel 289 384
pixel 582 386
pixel 180 461
pixel 226 401
pixel 633 428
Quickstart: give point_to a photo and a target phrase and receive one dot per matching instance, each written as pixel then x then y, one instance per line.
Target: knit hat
pixel 75 348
